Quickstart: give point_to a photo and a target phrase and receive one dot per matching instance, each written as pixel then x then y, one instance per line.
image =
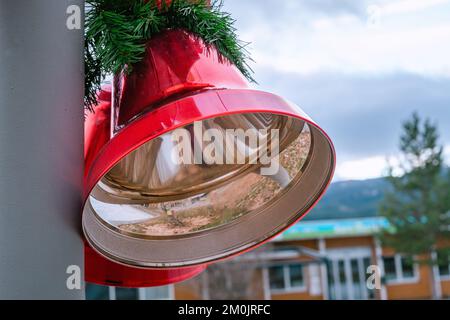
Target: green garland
pixel 117 31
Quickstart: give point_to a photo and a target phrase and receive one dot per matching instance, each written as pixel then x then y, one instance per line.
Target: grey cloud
pixel 248 12
pixel 363 114
pixel 332 7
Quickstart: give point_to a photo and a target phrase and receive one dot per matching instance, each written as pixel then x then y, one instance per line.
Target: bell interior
pixel 164 192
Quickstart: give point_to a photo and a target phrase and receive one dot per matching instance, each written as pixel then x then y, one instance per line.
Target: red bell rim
pixel 170 253
pixel 144 211
pixel 103 271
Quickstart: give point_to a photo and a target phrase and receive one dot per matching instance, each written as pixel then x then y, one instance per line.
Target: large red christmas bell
pixel 159 213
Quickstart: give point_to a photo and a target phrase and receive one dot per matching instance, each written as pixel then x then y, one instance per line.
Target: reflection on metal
pixel 135 197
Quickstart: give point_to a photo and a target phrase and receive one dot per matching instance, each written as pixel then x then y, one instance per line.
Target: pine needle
pixel 116 32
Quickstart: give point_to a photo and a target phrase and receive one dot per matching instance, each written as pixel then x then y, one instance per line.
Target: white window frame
pixel 399 279
pixel 444 277
pixel 345 255
pixel 287 279
pixel 142 293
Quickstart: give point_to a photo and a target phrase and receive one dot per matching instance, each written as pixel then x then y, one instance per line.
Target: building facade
pixel 313 260
pixel 325 259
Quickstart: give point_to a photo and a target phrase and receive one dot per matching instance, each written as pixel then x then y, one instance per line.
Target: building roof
pixel 334 228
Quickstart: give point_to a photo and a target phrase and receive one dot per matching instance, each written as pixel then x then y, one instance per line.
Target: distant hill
pixel 350 199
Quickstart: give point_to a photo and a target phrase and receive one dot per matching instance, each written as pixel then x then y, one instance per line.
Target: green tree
pixel 417 205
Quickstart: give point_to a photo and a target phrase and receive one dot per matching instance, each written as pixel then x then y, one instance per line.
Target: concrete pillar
pixel 41 149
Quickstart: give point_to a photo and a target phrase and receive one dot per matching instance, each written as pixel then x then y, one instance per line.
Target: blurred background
pixel 376 75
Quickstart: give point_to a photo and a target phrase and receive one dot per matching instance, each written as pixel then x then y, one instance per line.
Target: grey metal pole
pixel 41 149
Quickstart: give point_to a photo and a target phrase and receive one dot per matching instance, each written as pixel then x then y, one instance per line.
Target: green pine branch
pixel 116 32
pixel 417 205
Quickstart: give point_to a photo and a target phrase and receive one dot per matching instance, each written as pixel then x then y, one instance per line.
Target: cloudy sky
pixel 357 67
